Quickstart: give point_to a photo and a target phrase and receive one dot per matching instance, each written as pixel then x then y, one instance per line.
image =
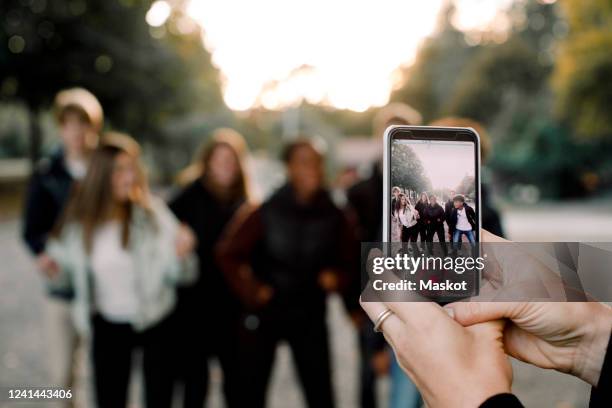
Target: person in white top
pixel 115 283
pixel 122 253
pixel 407 216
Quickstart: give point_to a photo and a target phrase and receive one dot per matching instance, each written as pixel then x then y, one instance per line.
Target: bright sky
pixel 343 53
pixel 445 163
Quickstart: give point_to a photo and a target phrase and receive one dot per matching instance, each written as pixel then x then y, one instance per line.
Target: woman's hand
pixel 452 365
pixel 185 241
pixel 568 337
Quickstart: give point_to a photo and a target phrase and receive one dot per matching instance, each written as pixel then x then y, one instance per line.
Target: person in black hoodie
pixel 420 206
pixel 434 220
pixel 207 204
pixel 281 259
pixel 80 119
pixel 448 210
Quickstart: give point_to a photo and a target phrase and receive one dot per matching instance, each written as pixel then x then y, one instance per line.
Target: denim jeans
pixel 469 234
pixel 404 394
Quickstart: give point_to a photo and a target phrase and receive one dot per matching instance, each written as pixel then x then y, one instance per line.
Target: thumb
pixel 468 313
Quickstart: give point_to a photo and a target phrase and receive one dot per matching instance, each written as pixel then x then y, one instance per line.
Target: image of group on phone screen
pixel 433 198
pixel 428 219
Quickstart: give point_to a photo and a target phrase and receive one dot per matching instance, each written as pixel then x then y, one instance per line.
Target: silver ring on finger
pixel 381 319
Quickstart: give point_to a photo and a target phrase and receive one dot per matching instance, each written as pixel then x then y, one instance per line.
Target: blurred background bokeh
pixel 537 74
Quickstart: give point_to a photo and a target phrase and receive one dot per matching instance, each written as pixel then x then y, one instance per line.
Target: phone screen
pixel 432 211
pixel 434 191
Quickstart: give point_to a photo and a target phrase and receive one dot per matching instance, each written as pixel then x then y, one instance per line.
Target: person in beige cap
pixel 80 118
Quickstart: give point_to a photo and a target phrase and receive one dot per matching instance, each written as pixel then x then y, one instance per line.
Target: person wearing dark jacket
pixel 364 203
pixel 463 220
pixel 491 220
pixel 420 206
pixel 207 204
pixel 281 259
pixel 79 117
pixel 364 200
pixel 448 211
pixel 434 220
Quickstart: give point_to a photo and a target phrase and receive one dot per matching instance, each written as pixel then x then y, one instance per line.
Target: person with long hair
pixel 403 392
pixel 420 206
pixel 121 253
pixel 407 215
pixel 217 187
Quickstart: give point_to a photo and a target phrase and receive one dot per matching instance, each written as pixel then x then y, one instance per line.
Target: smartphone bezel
pixel 426 133
pixel 429 133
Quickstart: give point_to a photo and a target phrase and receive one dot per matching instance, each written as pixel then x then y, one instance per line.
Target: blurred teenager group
pixel 208 274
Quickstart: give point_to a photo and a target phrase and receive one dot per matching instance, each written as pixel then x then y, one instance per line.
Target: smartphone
pixel 432 203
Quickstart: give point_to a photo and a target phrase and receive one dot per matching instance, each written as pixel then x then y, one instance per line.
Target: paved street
pixel 23 345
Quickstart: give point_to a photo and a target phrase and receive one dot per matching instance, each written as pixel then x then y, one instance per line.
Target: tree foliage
pixel 409 173
pixel 466 187
pixel 145 77
pixel 583 75
pixel 505 83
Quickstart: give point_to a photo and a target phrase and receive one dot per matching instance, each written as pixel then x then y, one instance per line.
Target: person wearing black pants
pixel 307 336
pixel 364 207
pixel 112 348
pixel 207 203
pixel 448 210
pixel 282 258
pixel 122 253
pixel 434 219
pixel 407 216
pixel 410 234
pixel 420 206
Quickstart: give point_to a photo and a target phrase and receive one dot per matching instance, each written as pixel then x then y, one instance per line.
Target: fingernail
pixel 450 311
